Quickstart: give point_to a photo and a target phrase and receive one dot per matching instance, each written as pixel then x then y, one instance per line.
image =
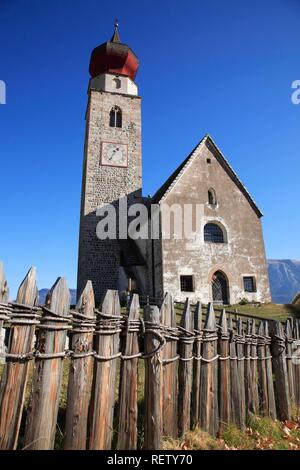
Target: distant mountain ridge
pixel 284 277
pixel 43 293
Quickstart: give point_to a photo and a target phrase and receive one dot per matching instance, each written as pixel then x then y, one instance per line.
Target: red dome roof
pixel 114 57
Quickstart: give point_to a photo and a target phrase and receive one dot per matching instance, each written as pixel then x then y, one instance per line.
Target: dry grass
pixel 261 433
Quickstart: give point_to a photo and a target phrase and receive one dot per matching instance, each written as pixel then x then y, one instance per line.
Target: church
pixel 223 261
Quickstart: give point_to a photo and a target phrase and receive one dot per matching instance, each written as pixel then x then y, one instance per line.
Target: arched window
pixel 213 233
pixel 212 198
pixel 115 117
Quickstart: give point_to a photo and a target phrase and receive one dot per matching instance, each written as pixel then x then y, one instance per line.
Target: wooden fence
pixel 211 369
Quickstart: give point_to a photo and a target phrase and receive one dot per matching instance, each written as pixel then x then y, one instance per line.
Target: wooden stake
pixel 240 349
pixel 236 416
pixel 197 365
pixel 296 361
pixel 81 371
pixel 128 410
pixel 169 370
pixel 254 372
pixel 262 372
pixel 209 414
pixel 224 371
pixel 289 361
pixel 270 382
pixel 4 296
pixel 14 378
pixel 153 398
pixel 185 370
pixel 47 376
pixel 280 370
pixel 104 383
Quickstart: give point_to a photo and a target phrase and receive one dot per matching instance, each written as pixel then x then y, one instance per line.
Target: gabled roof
pixel 172 180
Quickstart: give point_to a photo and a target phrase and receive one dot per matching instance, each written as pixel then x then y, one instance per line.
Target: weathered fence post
pixel 153 375
pixel 280 370
pixel 81 371
pixel 128 398
pixel 240 345
pixel 269 372
pixel 105 371
pixel 296 360
pixel 197 365
pixel 224 371
pixel 262 371
pixel 169 370
pixel 289 360
pixel 23 319
pixel 209 414
pixel 4 296
pixel 185 369
pixel 47 376
pixel 236 406
pixel 248 374
pixel 254 371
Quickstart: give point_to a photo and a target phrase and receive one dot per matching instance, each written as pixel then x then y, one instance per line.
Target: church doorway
pixel 220 289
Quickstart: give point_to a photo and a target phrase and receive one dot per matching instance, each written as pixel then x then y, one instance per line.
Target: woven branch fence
pixel 211 369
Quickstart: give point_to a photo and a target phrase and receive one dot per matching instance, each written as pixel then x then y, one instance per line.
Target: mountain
pixel 284 279
pixel 44 292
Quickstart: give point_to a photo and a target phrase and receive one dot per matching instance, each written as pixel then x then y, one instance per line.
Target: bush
pixel 243 301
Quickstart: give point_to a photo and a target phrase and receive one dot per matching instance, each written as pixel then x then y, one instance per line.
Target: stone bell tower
pixel 112 157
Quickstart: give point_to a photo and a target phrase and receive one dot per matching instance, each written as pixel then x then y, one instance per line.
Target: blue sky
pixel 225 68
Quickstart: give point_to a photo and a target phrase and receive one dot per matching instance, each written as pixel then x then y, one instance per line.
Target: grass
pixel 261 433
pixel 269 311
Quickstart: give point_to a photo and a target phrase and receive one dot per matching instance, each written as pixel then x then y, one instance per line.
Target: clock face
pixel 114 154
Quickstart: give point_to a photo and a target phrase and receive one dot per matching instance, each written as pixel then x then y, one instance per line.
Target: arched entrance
pixel 220 289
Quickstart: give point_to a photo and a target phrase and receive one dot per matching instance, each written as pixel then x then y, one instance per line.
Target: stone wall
pixel 99 260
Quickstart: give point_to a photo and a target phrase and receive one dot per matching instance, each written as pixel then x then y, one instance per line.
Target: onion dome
pixel 114 57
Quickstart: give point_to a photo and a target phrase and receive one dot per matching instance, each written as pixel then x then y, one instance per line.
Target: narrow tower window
pixel 117 82
pixel 115 117
pixel 212 198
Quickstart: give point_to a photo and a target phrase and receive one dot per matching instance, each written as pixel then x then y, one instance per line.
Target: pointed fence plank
pixel 169 370
pixel 105 372
pixel 296 359
pixel 254 371
pixel 197 365
pixel 81 371
pixel 14 378
pixel 280 370
pixel 269 372
pixel 248 373
pixel 289 360
pixel 128 398
pixel 4 296
pixel 262 372
pixel 236 407
pixel 240 351
pixel 185 369
pixel 47 376
pixel 224 371
pixel 153 376
pixel 209 414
